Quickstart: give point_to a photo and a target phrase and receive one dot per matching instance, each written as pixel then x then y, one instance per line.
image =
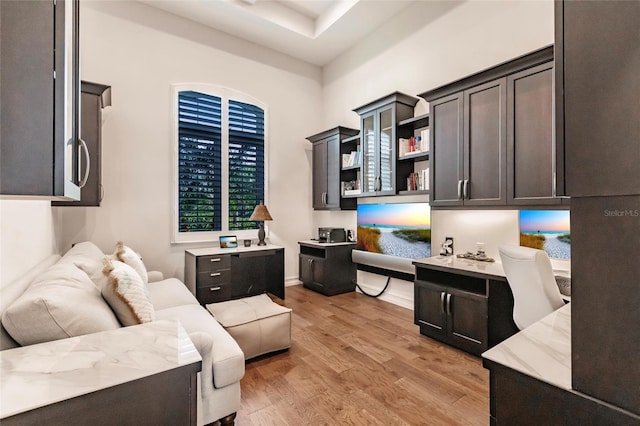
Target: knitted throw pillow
pixel 126 294
pixel 127 255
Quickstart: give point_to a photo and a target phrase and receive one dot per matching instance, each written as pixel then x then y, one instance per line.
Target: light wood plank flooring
pixel 361 361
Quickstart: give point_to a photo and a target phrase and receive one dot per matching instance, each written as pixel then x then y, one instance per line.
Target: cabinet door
pixel 386 153
pixel 319 175
pixel 369 175
pixel 332 199
pixel 467 320
pixel 600 58
pixel 446 131
pixel 430 312
pixel 485 144
pixel 305 269
pixel 530 146
pixel 248 274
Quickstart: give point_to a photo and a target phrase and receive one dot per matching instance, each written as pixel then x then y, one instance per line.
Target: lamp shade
pixel 260 213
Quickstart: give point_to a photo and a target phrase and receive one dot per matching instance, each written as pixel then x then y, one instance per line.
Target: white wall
pixel 140 51
pixel 26 236
pixel 426 46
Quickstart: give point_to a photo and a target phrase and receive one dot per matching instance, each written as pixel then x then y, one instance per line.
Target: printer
pixel 332 235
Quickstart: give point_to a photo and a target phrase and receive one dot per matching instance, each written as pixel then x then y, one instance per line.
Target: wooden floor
pixel 361 361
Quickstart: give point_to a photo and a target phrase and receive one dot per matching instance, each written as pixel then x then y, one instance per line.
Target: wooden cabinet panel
pixel 446 130
pixel 326 173
pixel 599 78
pixel 530 146
pixel 468 316
pixel 327 269
pixel 485 144
pixel 429 311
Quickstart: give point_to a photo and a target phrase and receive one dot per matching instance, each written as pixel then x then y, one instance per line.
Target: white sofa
pixel 60 297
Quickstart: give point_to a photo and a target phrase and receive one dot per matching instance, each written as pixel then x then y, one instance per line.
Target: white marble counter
pixel 542 351
pixel 452 262
pixel 38 375
pixel 319 244
pixel 212 251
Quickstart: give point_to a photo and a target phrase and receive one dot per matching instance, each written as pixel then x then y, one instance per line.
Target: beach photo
pixel 546 230
pixel 398 229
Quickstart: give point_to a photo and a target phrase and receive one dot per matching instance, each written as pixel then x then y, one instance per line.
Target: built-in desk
pixel 218 274
pixel 531 380
pixel 465 303
pixel 144 374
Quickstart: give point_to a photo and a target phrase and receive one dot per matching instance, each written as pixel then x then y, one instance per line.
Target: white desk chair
pixel 534 288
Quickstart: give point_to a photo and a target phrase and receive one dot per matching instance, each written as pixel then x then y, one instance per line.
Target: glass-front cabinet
pixel 378 121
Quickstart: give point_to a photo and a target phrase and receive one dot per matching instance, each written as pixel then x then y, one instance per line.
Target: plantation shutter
pixel 246 163
pixel 199 162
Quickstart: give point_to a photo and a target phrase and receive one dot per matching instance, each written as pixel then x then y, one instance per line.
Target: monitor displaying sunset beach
pixel 396 229
pixel 546 230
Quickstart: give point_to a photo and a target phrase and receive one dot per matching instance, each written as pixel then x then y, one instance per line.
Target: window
pixel 220 162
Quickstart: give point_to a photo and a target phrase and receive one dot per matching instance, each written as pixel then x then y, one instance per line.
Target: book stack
pixel 418 181
pixel 414 144
pixel 351 159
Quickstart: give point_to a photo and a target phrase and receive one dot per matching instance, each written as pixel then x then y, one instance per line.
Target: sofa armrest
pixel 155 276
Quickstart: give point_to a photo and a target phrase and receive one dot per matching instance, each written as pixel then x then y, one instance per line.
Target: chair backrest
pixel 534 288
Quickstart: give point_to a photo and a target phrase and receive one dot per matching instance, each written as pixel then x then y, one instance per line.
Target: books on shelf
pixel 414 144
pixel 418 181
pixel 351 159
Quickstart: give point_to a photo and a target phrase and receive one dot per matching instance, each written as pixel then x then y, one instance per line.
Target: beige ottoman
pixel 257 323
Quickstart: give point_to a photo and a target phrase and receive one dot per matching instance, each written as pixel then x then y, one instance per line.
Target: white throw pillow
pixel 127 294
pixel 127 255
pixel 86 256
pixel 61 302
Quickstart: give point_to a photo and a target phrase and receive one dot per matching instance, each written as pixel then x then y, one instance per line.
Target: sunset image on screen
pixel 547 230
pixel 397 229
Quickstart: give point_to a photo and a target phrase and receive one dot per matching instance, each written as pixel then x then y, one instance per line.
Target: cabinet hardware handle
pixel 442 308
pixel 217 259
pixel 216 274
pixel 459 190
pixel 87 158
pixel 465 189
pixel 448 304
pixel 215 288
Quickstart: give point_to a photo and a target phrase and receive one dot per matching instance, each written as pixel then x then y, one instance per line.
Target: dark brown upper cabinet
pixel 492 136
pixel 326 172
pixel 379 174
pixel 95 97
pixel 40 146
pixel 598 97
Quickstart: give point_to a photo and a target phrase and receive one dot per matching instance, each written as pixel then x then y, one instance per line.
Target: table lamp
pixel 260 213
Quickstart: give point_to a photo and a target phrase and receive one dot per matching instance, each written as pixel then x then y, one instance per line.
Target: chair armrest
pixel 155 276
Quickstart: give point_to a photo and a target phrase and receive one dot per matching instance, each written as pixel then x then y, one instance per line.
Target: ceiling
pixel 315 31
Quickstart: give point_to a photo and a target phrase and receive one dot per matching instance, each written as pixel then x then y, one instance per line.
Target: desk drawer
pixel 210 278
pixel 213 263
pixel 213 293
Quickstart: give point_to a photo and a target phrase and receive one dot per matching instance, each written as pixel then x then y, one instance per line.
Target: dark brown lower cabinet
pixel 470 312
pixel 518 399
pixel 327 268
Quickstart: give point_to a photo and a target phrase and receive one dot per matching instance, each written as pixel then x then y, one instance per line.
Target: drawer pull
pixel 217 259
pixel 216 274
pixel 215 288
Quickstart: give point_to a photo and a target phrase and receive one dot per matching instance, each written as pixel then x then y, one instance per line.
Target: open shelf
pixel 351 139
pixel 414 192
pixel 415 122
pixel 415 156
pixel 344 169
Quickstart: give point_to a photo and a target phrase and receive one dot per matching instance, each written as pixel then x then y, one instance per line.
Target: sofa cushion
pixel 127 294
pixel 61 302
pixel 86 256
pixel 227 357
pixel 170 292
pixel 127 255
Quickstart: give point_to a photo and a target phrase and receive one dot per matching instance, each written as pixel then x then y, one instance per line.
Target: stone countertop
pixel 455 264
pixel 212 251
pixel 319 244
pixel 43 374
pixel 541 351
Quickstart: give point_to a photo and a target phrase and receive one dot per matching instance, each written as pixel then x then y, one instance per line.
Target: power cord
pixel 373 295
